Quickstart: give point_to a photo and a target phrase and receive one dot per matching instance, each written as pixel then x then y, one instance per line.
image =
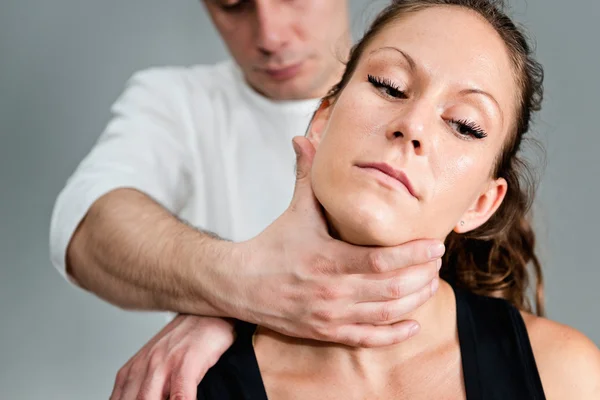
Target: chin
pixel 366 223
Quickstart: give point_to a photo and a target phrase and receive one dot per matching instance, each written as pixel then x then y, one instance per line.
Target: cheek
pixel 237 35
pixel 458 184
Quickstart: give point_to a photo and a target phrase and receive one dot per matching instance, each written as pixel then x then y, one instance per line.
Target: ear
pixel 483 207
pixel 318 124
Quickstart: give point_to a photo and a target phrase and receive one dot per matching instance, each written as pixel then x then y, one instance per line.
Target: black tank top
pixel 497 359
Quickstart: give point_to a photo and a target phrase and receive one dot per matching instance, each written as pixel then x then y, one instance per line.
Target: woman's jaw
pixel 429 104
pixel 406 150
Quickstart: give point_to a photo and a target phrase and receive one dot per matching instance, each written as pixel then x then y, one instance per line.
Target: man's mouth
pixel 282 73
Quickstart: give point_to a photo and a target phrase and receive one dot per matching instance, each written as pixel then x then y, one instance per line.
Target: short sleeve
pixel 144 146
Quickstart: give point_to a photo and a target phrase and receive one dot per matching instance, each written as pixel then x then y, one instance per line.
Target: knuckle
pixel 424 295
pixel 323 332
pixel 385 313
pixel 142 395
pixel 346 340
pixel 178 390
pixel 376 262
pixel 121 376
pixel 136 370
pixel 155 361
pixel 396 289
pixel 414 255
pixel 362 341
pixel 327 292
pixel 177 396
pixel 323 315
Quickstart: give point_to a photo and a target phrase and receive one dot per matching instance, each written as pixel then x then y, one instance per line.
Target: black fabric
pixel 497 359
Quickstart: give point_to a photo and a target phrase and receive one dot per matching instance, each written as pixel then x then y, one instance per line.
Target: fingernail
pixel 435 284
pixel 414 330
pixel 439 264
pixel 436 251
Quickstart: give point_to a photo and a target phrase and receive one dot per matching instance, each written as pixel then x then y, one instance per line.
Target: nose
pixel 272 30
pixel 410 127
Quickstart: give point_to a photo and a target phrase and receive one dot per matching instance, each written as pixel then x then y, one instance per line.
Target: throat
pixel 371 369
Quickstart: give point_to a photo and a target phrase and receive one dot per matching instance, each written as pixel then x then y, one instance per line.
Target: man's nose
pixel 273 27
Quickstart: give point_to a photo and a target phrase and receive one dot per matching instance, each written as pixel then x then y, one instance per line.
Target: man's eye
pixel 236 5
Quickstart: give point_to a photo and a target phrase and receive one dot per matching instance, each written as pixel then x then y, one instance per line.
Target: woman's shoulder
pixel 568 362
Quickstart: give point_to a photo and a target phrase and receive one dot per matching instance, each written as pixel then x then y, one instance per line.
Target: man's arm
pixel 295 279
pixel 134 254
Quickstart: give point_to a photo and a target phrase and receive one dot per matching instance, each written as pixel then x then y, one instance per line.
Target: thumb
pixel 305 153
pixel 304 198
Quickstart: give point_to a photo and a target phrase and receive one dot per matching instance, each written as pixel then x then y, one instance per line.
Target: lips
pixel 283 72
pixel 393 173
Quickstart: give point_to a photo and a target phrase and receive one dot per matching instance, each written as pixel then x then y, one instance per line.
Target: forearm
pixel 133 253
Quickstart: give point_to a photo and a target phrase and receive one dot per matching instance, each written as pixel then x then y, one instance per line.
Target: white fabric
pixel 199 141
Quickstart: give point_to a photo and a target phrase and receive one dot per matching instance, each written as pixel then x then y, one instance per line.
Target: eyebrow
pixel 413 66
pixel 409 59
pixel 466 92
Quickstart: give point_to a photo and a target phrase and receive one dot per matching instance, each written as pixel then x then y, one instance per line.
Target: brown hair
pixel 493 259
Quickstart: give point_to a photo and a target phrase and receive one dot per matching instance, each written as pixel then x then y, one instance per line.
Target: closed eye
pixel 234 6
pixel 467 128
pixel 387 87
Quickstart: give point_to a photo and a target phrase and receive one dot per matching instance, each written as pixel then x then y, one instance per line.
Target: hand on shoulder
pixel 567 360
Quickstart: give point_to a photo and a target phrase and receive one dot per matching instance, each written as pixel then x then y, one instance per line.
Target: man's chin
pixel 299 87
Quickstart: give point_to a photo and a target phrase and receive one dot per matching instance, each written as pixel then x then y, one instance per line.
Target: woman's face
pixel 407 150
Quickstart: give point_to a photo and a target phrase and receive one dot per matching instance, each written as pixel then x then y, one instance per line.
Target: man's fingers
pixel 184 381
pixel 370 288
pixel 120 382
pixel 153 386
pixel 389 312
pixel 359 260
pixel 133 382
pixel 304 197
pixel 358 335
pixel 305 153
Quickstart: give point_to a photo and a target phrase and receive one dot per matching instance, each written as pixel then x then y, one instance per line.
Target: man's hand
pixel 172 363
pixel 295 279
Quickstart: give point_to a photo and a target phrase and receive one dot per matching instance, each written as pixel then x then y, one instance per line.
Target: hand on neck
pixel 437 318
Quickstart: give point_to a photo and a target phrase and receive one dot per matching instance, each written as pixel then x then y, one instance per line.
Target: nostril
pixel 398 134
pixel 416 144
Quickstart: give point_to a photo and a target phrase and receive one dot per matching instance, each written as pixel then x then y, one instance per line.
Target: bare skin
pixel 163 368
pixel 322 302
pixel 134 254
pixel 451 188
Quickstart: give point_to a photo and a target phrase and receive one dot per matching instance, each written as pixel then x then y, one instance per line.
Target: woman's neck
pixel 373 366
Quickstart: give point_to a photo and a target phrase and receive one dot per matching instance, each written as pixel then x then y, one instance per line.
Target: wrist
pixel 214 271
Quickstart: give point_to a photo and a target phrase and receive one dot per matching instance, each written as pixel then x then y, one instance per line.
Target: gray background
pixel 62 64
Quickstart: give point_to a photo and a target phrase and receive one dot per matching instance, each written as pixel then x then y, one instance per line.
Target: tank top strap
pixel 497 358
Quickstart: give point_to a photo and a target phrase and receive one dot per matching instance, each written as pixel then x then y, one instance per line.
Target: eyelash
pixel 388 86
pixel 235 7
pixel 390 89
pixel 471 128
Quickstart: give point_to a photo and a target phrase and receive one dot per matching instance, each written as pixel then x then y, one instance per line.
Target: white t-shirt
pixel 199 141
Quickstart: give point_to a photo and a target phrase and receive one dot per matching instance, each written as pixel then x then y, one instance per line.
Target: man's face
pixel 287 49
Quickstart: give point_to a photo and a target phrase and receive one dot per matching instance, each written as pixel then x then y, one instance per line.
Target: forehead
pixel 453 45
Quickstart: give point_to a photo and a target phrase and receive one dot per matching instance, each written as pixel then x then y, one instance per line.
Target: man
pixel 210 147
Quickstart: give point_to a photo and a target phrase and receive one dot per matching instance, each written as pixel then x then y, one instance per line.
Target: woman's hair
pixel 492 260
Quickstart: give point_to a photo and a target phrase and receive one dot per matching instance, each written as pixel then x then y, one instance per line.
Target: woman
pixel 420 140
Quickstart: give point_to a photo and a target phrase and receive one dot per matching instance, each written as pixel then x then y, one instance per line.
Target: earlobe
pixel 319 121
pixel 484 207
